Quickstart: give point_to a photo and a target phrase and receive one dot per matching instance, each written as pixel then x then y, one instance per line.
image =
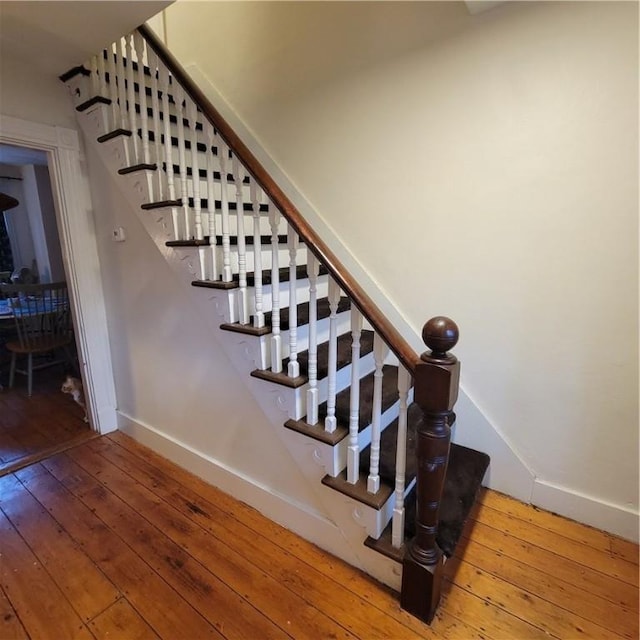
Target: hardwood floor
pixel 32 428
pixel 109 540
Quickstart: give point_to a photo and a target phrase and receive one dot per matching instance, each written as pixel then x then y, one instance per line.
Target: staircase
pixel 314 348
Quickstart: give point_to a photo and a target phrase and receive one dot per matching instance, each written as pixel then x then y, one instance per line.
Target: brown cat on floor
pixel 73 386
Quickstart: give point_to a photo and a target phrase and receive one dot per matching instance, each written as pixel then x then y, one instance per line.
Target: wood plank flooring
pixel 109 540
pixel 38 426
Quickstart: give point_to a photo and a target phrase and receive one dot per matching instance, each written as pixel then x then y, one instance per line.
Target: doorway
pixel 77 242
pixel 33 426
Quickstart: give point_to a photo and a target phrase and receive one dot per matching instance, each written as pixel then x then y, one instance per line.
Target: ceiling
pixel 56 36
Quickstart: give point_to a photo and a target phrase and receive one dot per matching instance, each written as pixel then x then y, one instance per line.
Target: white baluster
pixel 155 107
pixel 276 344
pixel 182 163
pixel 95 81
pixel 330 422
pixel 133 122
pixel 313 268
pixel 122 89
pixel 293 370
pixel 211 202
pixel 243 304
pixel 353 449
pixel 258 316
pixel 195 168
pixel 138 43
pixel 168 156
pixel 113 88
pixel 397 526
pixel 102 76
pixel 380 351
pixel 223 158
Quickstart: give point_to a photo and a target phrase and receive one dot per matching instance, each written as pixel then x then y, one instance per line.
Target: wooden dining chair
pixel 43 328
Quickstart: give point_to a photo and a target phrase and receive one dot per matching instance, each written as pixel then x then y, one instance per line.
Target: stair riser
pixel 343 321
pixel 231 296
pixel 217 189
pixel 343 380
pixel 283 254
pixel 302 293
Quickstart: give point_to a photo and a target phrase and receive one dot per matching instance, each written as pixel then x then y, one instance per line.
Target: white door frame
pixel 76 228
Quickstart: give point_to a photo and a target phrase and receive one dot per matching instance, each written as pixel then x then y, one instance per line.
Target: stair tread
pixel 264 240
pixel 387 464
pixel 343 398
pixel 249 240
pixel 343 354
pixel 323 311
pixel 301 274
pixel 204 204
pixel 463 482
pixel 343 359
pixel 202 173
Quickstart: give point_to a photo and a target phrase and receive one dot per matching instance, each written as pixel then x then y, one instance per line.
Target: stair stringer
pixel 354 520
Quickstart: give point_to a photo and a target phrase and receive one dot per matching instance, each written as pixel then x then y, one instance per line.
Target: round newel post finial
pixel 440 334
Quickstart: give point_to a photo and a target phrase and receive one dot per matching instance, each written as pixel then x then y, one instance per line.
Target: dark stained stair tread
pixel 137 167
pixel 343 354
pixel 204 203
pixel 323 311
pixel 301 274
pixel 249 240
pixel 344 358
pixel 73 72
pixel 389 397
pixel 202 173
pixel 114 134
pixel 91 101
pixel 465 472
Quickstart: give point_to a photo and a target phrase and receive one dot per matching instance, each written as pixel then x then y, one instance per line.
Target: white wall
pixel 30 94
pixel 491 160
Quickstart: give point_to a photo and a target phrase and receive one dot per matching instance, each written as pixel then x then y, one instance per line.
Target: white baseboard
pixel 309 524
pixel 619 520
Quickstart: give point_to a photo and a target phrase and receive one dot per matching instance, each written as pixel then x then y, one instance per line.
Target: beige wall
pixel 484 167
pixel 27 92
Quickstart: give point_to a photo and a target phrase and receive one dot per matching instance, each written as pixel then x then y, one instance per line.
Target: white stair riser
pixel 283 254
pixel 302 293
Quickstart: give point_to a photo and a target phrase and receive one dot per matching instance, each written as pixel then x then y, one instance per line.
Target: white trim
pixel 292 515
pixel 619 520
pixel 80 255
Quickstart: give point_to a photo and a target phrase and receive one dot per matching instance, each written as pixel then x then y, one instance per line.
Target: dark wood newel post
pixel 435 391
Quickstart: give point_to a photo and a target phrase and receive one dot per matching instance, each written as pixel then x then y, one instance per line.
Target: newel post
pixel 436 391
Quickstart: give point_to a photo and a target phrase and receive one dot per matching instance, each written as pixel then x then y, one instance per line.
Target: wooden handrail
pixel 402 349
